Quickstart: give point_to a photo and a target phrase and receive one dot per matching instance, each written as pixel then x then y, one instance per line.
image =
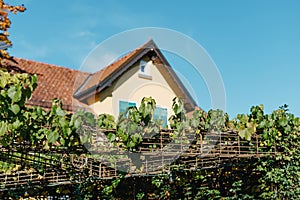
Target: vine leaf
pixel 3 128
pixel 111 137
pixel 15 108
pixel 14 94
pixel 245 133
pixel 60 112
pixel 52 136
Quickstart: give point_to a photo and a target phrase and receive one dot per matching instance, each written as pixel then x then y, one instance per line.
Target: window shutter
pixel 161 114
pixel 123 105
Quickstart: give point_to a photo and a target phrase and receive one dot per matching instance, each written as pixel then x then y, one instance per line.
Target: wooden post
pixel 239 147
pixel 115 168
pixel 256 137
pixel 130 167
pixel 180 144
pixel 100 166
pixel 161 143
pixel 146 163
pixel 91 168
pixel 161 151
pixel 201 144
pixel 220 144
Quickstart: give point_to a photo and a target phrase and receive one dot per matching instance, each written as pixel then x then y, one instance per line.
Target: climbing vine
pixel 272 177
pixel 36 129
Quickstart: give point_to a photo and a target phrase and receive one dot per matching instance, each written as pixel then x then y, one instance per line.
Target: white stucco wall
pixel 132 87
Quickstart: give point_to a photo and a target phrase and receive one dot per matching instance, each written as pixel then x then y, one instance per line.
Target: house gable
pixel 132 87
pixel 106 78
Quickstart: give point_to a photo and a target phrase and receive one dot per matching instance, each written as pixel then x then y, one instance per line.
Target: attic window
pixel 144 71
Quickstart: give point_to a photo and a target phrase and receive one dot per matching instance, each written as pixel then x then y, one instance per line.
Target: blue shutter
pixel 162 115
pixel 123 105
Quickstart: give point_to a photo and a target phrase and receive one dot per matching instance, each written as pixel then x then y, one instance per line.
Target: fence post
pixel 220 143
pixel 100 166
pixel 146 163
pixel 256 136
pixel 239 147
pixel 201 144
pixel 116 168
pixel 161 151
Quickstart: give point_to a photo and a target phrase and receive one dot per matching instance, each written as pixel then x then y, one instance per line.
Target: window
pixel 143 65
pixel 142 68
pixel 145 69
pixel 123 105
pixel 162 115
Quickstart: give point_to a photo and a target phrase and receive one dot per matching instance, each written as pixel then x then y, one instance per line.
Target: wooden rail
pixel 155 155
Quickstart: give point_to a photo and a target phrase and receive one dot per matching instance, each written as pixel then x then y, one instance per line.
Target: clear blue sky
pixel 255 44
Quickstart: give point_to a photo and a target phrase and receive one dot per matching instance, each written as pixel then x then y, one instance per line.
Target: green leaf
pixel 62 141
pixel 262 124
pixel 245 133
pixel 3 128
pixel 15 108
pixel 41 133
pixel 52 136
pixel 60 112
pixel 14 93
pixel 283 122
pixel 63 122
pixel 77 123
pixel 39 111
pixel 131 144
pixel 84 139
pixel 33 81
pixel 16 124
pixel 111 137
pixel 136 138
pixel 3 82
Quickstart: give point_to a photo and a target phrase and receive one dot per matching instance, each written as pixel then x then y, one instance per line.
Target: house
pixel 142 72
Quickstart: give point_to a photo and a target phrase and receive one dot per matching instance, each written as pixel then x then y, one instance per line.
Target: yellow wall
pixel 132 87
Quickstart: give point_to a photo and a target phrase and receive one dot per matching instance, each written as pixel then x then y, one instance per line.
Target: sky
pixel 255 45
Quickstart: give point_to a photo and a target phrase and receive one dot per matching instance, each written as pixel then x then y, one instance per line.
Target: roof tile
pixel 99 76
pixel 53 82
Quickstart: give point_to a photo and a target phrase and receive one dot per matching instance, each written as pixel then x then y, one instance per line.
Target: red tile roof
pixel 53 82
pixel 99 76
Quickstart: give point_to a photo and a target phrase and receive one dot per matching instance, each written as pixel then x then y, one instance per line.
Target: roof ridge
pixel 127 54
pixel 103 74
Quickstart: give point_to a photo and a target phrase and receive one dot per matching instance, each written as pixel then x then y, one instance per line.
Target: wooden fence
pixel 155 155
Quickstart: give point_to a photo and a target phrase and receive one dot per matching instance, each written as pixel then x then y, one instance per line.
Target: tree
pixel 5 23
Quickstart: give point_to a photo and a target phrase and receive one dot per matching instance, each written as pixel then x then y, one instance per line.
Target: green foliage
pixel 277 177
pixel 106 121
pixel 14 90
pixel 207 193
pixel 19 123
pixel 135 124
pixel 178 120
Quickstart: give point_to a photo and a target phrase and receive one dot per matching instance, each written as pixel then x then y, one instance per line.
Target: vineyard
pixel 55 154
pixel 54 166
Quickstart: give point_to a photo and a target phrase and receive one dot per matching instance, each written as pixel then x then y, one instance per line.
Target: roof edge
pixel 141 51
